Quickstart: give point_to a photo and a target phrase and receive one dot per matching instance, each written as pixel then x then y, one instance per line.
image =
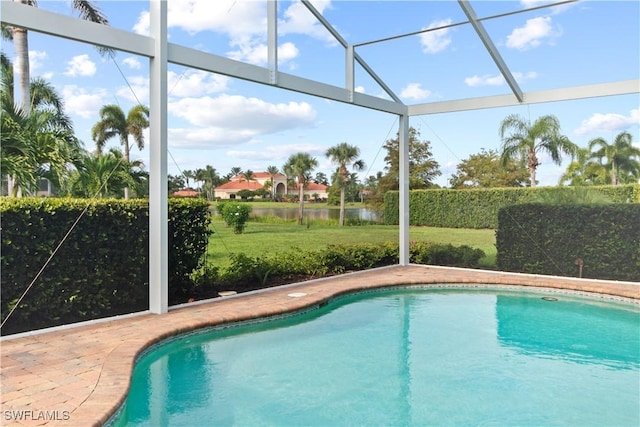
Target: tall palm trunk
pixel 21 75
pixel 532 165
pixel 341 221
pixel 21 68
pixel 126 156
pixel 301 197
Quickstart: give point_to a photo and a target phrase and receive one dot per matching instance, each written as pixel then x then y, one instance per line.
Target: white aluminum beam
pixel 272 40
pixel 350 77
pixel 403 178
pixel 493 51
pixel 158 148
pixel 43 21
pixel 626 87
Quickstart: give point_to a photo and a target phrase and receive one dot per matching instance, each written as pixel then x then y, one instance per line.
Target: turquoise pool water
pixel 403 357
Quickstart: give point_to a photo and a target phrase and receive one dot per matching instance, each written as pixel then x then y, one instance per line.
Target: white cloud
pixel 80 65
pixel 195 83
pixel 137 91
pixel 189 84
pixel 299 20
pixel 83 103
pixel 240 112
pixel 485 80
pixel 236 119
pixel 532 34
pixel 36 58
pixel 132 62
pixel 497 80
pixel 193 16
pixel 610 122
pixel 554 10
pixel 194 138
pixel 438 40
pixel 415 91
pixel 238 18
pixel 275 153
pixel 359 89
pixel 255 52
pixel 245 23
pixel 142 24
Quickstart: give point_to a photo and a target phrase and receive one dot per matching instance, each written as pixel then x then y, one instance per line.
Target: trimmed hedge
pixel 101 269
pixel 478 208
pixel 247 273
pixel 548 239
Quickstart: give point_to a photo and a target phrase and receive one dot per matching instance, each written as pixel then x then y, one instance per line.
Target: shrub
pixel 548 239
pixel 246 273
pixel 445 254
pixel 478 208
pixel 102 267
pixel 235 215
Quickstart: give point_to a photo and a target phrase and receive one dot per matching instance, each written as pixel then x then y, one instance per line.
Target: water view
pixel 324 213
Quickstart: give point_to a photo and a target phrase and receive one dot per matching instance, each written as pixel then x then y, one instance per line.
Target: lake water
pixel 323 213
pixel 292 213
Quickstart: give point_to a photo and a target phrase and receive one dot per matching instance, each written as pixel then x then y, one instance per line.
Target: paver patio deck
pixel 79 376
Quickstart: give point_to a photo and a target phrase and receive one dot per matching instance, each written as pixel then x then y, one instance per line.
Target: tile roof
pixel 185 193
pixel 240 185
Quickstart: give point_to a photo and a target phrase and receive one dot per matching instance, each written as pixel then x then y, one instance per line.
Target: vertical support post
pixel 272 40
pixel 158 191
pixel 403 178
pixel 350 71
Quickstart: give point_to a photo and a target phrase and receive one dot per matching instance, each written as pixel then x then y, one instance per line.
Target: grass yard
pixel 262 238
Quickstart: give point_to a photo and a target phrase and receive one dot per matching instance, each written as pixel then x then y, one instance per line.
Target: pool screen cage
pixel 160 52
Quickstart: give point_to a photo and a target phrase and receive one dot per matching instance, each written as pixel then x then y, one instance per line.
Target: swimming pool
pixel 403 357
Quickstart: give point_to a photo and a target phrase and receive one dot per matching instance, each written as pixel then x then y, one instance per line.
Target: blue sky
pixel 227 122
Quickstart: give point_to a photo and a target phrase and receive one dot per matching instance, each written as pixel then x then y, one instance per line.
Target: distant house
pixel 311 191
pixel 185 193
pixel 237 183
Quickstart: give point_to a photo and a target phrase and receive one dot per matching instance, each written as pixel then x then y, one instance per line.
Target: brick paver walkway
pixel 80 376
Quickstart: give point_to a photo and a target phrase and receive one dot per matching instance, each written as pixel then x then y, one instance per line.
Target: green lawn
pixel 262 238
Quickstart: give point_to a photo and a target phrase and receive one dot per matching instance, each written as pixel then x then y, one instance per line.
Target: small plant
pixel 235 215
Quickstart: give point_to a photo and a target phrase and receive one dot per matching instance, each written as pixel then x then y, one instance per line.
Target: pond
pixel 324 213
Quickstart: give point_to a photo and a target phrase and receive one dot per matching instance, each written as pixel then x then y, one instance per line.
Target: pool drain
pixel 550 299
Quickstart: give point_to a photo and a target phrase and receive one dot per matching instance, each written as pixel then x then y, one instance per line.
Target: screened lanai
pixel 497 66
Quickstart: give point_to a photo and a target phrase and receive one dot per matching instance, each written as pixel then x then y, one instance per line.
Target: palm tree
pixel 105 175
pixel 344 155
pixel 189 174
pixel 35 143
pixel 247 175
pixel 114 123
pixel 584 171
pixel 211 179
pixel 86 9
pixel 300 165
pixel 273 171
pixel 527 140
pixel 321 178
pixel 235 171
pixel 622 158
